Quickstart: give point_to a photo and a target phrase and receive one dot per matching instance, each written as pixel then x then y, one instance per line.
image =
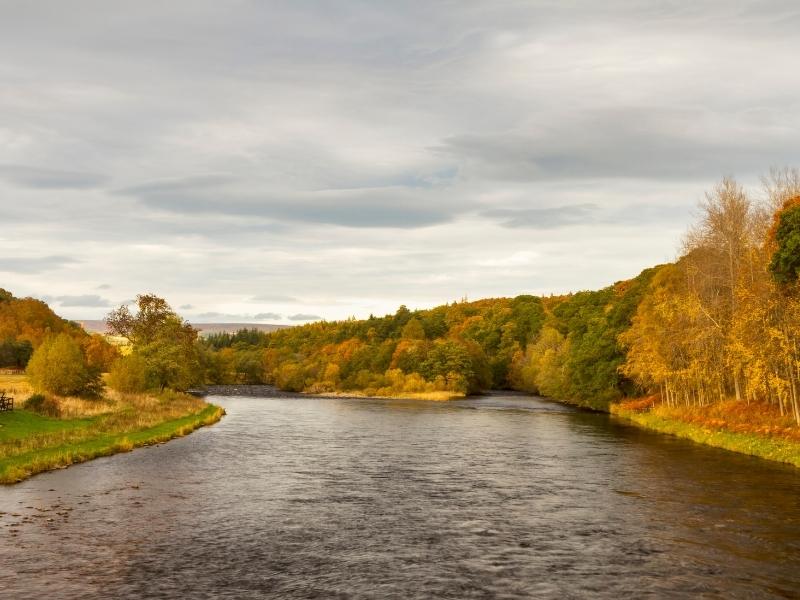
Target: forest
pixel 721 323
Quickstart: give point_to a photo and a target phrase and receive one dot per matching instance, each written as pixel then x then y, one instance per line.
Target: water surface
pixel 506 496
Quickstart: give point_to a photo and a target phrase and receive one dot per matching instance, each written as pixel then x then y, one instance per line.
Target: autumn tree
pixel 166 343
pixel 785 262
pixel 59 366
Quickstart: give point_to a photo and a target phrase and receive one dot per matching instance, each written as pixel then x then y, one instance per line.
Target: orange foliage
pixel 776 218
pixel 639 404
pixel 736 416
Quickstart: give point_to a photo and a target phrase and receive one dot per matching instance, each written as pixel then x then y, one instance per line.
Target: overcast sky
pixel 286 161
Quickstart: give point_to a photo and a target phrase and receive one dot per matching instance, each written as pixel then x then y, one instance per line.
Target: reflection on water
pixel 499 497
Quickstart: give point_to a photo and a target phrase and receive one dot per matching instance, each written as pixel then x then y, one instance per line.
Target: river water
pixel 504 496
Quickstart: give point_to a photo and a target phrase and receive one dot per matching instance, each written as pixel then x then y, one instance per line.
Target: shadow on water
pixel 505 496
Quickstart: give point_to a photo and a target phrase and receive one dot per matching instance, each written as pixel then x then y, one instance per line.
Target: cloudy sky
pixel 284 161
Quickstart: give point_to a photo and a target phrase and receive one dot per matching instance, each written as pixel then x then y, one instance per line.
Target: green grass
pixel 762 446
pixel 20 424
pixel 30 443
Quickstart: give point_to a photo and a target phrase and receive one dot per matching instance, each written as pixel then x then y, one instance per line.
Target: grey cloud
pixel 88 300
pixel 272 298
pixel 211 315
pixel 545 218
pixel 632 142
pixel 267 316
pixel 246 318
pixel 35 177
pixel 304 317
pixel 552 218
pixel 27 264
pixel 360 208
pixel 186 307
pixel 104 286
pixel 166 187
pixel 293 117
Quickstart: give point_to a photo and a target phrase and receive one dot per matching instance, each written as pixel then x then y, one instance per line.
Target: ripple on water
pixel 505 496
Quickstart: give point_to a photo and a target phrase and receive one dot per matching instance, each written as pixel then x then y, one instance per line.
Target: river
pixel 504 496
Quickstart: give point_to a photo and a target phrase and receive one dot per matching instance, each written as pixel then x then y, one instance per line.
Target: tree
pixel 59 366
pixel 100 355
pixel 785 262
pixel 413 330
pixel 448 359
pixel 129 374
pixel 15 353
pixel 166 342
pixel 718 256
pixel 154 314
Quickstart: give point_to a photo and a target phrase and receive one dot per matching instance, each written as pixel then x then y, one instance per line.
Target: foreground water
pixel 500 497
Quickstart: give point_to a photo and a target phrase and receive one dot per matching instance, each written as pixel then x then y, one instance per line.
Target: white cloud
pixel 288 159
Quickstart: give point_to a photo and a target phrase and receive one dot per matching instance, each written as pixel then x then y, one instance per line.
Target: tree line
pixel 721 322
pixel 58 354
pixel 724 320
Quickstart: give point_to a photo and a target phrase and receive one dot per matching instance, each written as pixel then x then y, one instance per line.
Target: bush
pixel 129 374
pixel 42 405
pixel 59 366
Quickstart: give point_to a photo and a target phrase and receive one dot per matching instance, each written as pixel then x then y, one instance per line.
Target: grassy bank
pixel 84 429
pixel 754 429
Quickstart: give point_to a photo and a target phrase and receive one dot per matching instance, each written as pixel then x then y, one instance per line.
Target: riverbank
pixel 751 429
pixel 258 390
pixel 80 430
pixel 440 396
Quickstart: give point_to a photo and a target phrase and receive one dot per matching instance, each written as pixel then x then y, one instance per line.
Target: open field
pixel 15 385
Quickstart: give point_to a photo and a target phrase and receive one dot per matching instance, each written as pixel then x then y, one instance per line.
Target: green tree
pixel 59 366
pixel 785 264
pixel 129 374
pixel 166 342
pixel 15 353
pixel 413 330
pixel 448 359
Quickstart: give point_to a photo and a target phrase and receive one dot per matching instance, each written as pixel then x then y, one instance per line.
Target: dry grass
pixel 17 386
pixel 436 396
pixel 71 407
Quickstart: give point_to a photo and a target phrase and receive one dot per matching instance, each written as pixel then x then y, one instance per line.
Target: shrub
pixel 129 374
pixel 59 366
pixel 42 405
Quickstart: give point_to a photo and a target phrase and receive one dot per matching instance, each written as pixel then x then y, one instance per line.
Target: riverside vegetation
pixel 710 341
pixel 705 347
pixel 71 410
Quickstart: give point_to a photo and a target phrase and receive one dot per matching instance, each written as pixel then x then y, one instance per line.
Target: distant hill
pixel 31 320
pixel 24 325
pixel 209 328
pixel 99 326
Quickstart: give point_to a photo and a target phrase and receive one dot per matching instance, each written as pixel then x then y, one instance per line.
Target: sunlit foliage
pixel 165 353
pixel 724 321
pixel 59 366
